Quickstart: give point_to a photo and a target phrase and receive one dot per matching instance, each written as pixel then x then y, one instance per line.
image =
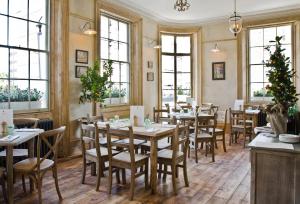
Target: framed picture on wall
pixel 218 70
pixel 150 76
pixel 80 70
pixel 82 56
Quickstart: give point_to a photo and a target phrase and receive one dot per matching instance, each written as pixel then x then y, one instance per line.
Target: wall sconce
pixel 215 49
pixel 87 29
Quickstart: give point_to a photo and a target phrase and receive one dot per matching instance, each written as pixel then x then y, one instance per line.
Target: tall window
pixel 115 46
pixel 24 54
pixel 176 77
pixel 259 38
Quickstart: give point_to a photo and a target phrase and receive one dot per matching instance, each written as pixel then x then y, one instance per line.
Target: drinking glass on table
pixel 147 123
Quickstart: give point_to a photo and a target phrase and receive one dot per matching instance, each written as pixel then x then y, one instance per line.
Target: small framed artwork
pixel 218 70
pixel 150 76
pixel 80 70
pixel 82 56
pixel 150 64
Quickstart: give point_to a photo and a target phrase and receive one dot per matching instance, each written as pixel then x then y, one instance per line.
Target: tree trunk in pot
pixel 278 122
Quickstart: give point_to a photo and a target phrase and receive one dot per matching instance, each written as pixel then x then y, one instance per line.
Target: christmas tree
pixel 281 78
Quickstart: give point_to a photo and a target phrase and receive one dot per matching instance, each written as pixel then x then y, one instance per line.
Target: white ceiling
pixel 205 10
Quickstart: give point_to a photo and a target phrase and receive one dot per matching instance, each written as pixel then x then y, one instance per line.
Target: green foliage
pixel 15 94
pixel 95 85
pixel 281 78
pixel 262 93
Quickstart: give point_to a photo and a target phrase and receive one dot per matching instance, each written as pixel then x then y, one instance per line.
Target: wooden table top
pixel 23 136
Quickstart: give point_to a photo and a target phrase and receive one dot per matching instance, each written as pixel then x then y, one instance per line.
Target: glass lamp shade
pixel 235 23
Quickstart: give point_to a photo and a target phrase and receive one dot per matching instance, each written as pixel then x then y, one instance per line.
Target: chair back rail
pixel 237 117
pixel 158 114
pixel 205 122
pixel 180 139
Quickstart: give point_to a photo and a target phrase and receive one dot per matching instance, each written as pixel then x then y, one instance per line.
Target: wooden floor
pixel 225 181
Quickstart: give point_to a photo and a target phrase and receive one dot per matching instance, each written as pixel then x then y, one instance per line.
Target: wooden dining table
pixel 23 136
pixel 153 134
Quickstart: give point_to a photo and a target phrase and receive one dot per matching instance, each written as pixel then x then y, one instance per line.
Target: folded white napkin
pixel 27 130
pixel 9 138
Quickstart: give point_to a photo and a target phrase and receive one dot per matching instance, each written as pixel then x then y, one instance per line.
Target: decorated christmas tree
pixel 282 87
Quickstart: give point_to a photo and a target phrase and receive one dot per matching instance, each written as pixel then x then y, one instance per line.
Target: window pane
pixel 267 54
pixel 266 71
pixel 18 8
pixel 104 27
pixel 37 40
pixel 183 44
pixel 285 31
pixel 168 81
pixel 288 51
pixel 184 64
pixel 123 31
pixel 38 94
pixel 3 63
pixel 182 94
pixel 256 73
pixel 167 42
pixel 124 93
pixel 116 72
pixel 124 72
pixel 256 55
pixel 3 28
pixel 123 55
pixel 37 10
pixel 113 50
pixel 4 94
pixel 19 95
pixel 269 35
pixel 168 97
pixel 104 49
pixel 256 90
pixel 256 37
pixel 167 63
pixel 38 65
pixel 113 29
pixel 3 6
pixel 184 81
pixel 18 64
pixel 17 32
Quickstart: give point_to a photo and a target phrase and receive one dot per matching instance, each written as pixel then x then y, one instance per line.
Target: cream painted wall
pixel 213 90
pixel 150 88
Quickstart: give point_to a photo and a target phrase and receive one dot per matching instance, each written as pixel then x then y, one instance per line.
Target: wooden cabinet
pixel 275 171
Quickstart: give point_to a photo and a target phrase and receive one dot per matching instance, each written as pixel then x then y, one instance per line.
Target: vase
pixel 278 122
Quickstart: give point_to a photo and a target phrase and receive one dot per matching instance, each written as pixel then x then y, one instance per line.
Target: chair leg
pixel 224 142
pixel 99 174
pixel 39 187
pixel 176 172
pixel 146 174
pixel 118 176
pixel 165 172
pixel 83 170
pixel 189 151
pixel 2 182
pixel 123 176
pixel 173 169
pixel 196 148
pixel 186 181
pixel 213 150
pixel 109 178
pixel 159 170
pixel 54 169
pixel 132 183
pixel 23 183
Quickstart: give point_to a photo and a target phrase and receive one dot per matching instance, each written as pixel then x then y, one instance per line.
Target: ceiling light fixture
pixel 215 49
pixel 87 29
pixel 181 5
pixel 235 22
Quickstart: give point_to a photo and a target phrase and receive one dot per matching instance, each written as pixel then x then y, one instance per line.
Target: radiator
pixel 45 124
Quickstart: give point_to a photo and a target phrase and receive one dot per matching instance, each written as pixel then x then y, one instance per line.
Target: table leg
pixel 10 176
pixel 31 155
pixel 153 161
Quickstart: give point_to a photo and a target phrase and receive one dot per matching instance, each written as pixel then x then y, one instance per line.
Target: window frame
pixel 175 55
pixel 128 43
pixel 47 25
pixel 248 65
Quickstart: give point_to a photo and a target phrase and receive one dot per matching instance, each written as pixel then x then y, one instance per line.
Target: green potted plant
pixel 282 87
pixel 115 96
pixel 94 84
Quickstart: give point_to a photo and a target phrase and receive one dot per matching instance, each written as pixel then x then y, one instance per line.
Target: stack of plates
pixel 288 138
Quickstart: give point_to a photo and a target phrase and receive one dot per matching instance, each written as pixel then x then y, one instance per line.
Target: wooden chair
pixel 37 167
pixel 206 108
pixel 92 153
pixel 174 157
pixel 158 115
pixel 220 132
pixel 201 134
pixel 127 159
pixel 2 183
pixel 239 125
pixel 31 123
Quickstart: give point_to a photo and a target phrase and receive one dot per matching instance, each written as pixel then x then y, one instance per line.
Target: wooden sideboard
pixel 275 171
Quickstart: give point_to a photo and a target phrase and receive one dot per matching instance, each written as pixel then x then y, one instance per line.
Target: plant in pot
pixel 94 84
pixel 115 96
pixel 282 87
